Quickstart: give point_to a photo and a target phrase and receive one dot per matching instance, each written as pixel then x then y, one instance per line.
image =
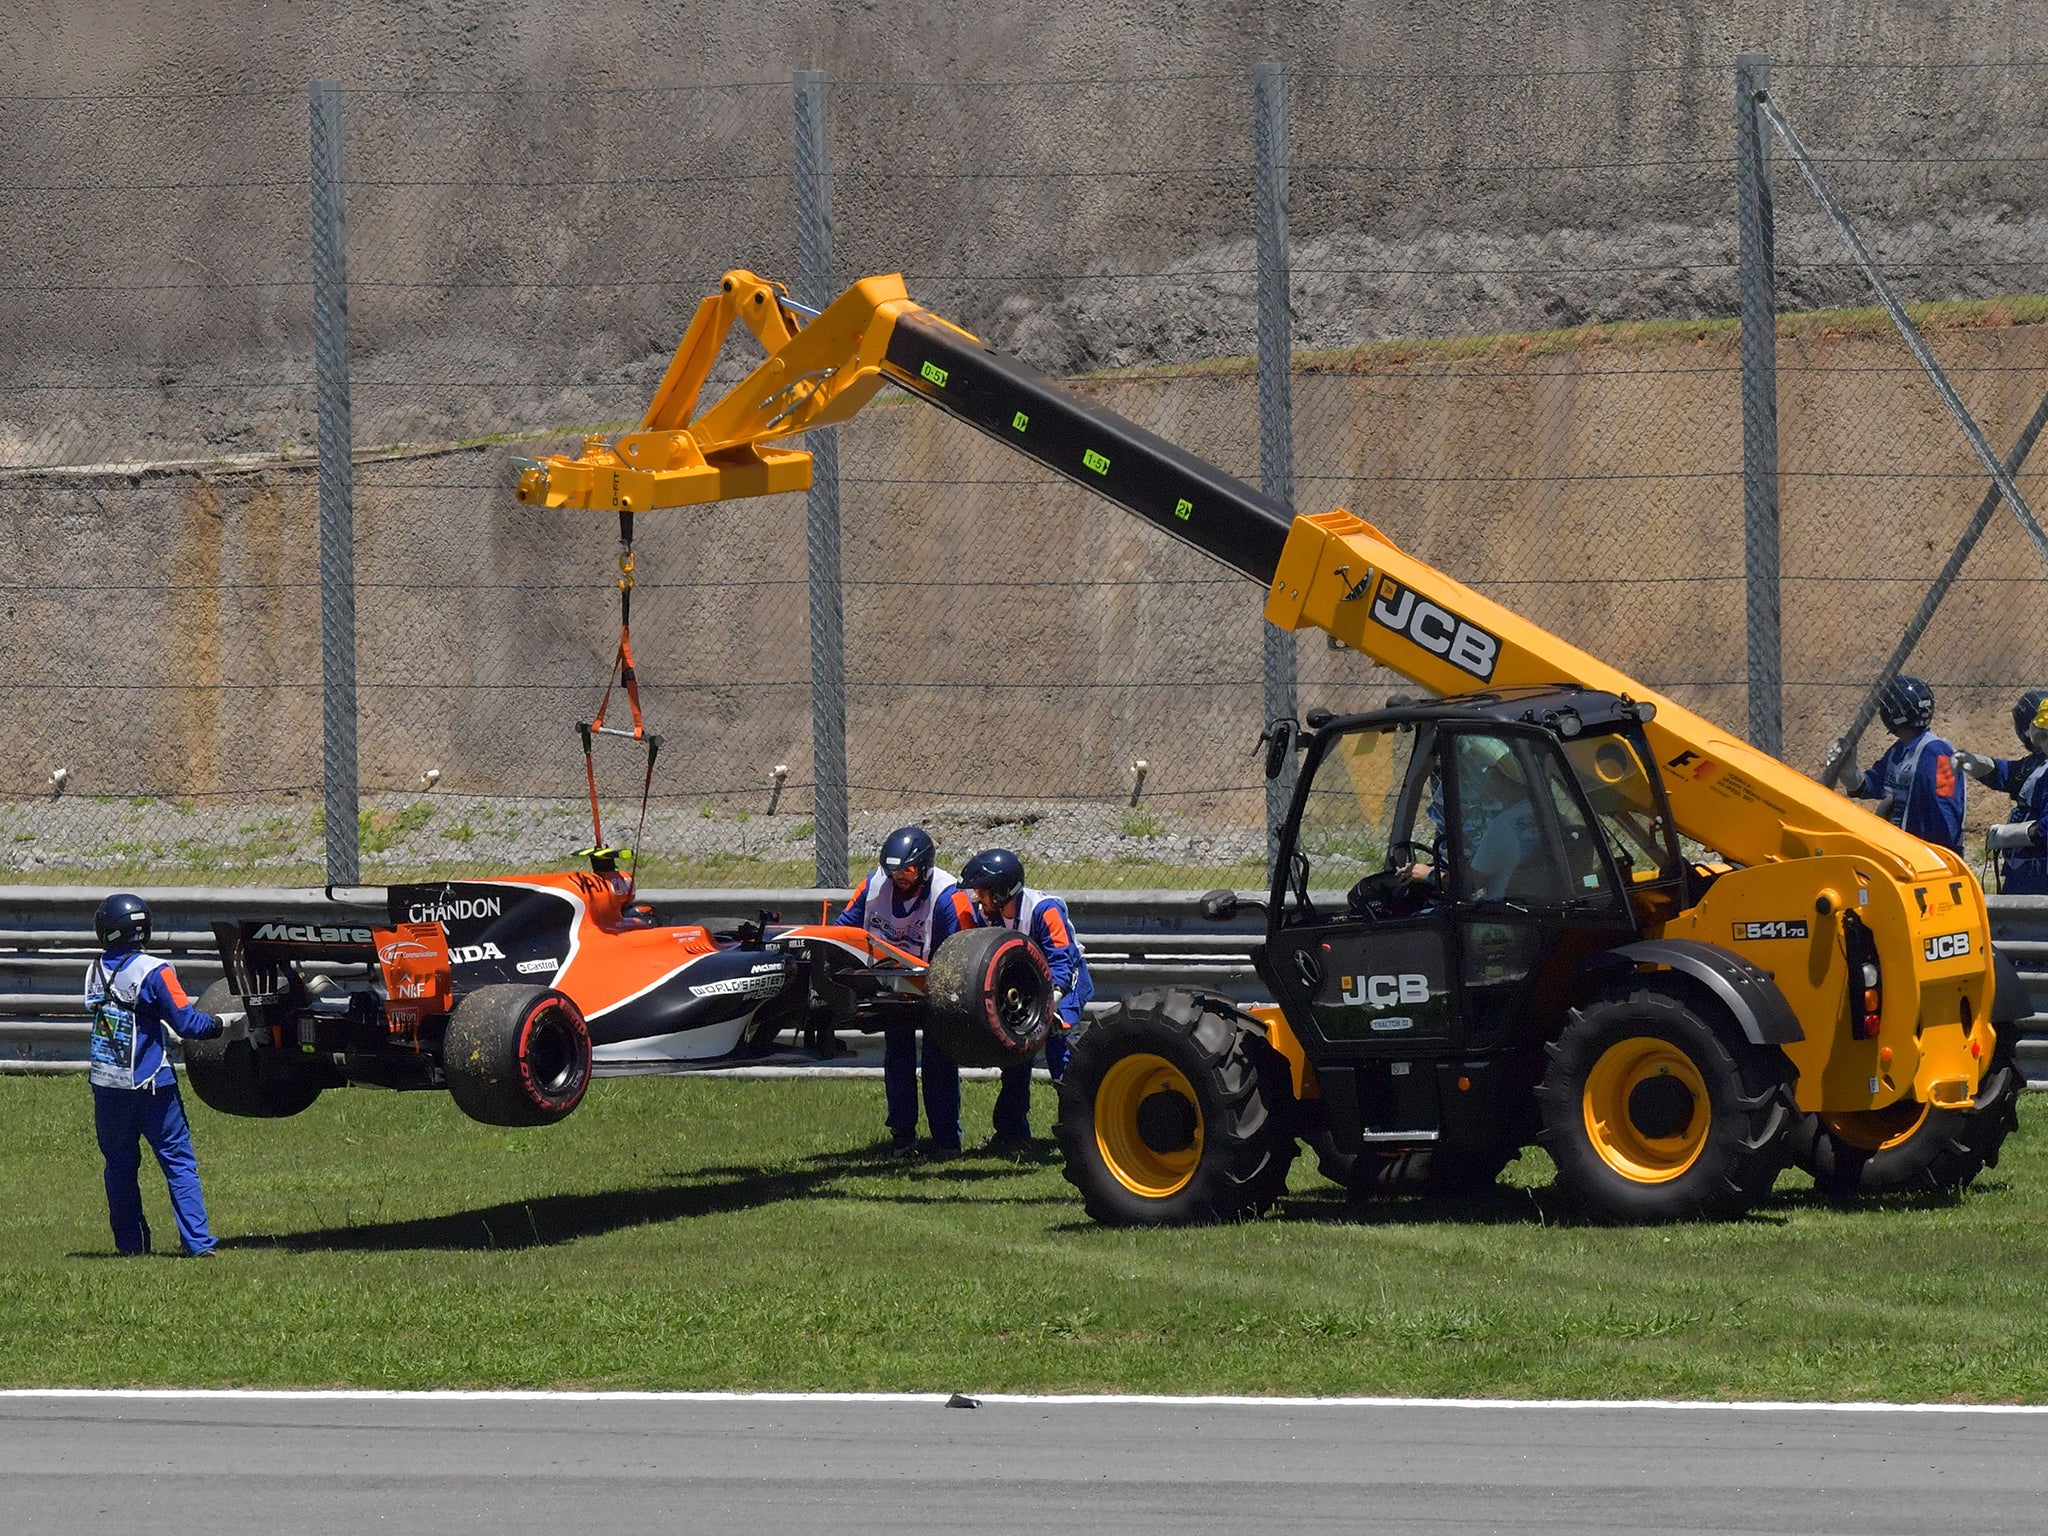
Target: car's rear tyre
pixel 223 1073
pixel 1162 1116
pixel 1652 1113
pixel 1912 1148
pixel 516 1055
pixel 989 993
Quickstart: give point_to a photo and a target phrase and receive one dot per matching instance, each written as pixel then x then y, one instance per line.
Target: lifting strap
pixel 622 673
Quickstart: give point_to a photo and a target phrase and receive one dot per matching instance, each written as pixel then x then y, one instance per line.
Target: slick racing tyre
pixel 1651 1113
pixel 1910 1147
pixel 990 997
pixel 223 1073
pixel 516 1055
pixel 1164 1117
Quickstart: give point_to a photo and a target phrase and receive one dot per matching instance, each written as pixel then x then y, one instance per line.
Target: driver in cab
pixel 1500 835
pixel 1501 831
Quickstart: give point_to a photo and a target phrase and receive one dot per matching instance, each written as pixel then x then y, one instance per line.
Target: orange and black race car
pixel 510 992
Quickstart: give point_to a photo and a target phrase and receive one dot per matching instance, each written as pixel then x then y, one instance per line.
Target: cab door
pixel 1363 953
pixel 1535 889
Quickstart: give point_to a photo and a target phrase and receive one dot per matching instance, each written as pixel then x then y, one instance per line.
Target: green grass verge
pixel 713 1234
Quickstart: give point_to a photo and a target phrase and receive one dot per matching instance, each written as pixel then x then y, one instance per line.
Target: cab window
pixel 1625 802
pixel 1523 839
pixel 1374 802
pixel 1504 853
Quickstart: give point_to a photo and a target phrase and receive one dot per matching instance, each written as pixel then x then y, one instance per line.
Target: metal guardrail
pixel 1135 940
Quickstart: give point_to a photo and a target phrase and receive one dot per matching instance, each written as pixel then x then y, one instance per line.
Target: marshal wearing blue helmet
pixel 133 998
pixel 907 902
pixel 1915 783
pixel 993 894
pixel 2017 842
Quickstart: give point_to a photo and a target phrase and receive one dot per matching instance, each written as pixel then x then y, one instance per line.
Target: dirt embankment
pixel 1007 634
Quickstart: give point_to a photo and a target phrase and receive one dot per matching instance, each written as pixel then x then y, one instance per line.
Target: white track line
pixel 1051 1399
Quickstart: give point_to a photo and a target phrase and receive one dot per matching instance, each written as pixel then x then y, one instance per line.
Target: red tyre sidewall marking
pixel 532 1089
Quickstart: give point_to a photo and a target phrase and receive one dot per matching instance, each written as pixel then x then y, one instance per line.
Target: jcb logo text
pixel 1386 991
pixel 1436 629
pixel 1948 946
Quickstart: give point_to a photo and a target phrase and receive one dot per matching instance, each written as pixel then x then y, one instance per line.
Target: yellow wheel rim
pixel 1639 1121
pixel 1876 1130
pixel 1153 1168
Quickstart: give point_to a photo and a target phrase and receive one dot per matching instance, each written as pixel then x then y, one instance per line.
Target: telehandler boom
pixel 1525 954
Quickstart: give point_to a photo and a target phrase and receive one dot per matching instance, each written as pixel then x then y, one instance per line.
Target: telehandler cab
pixel 1482 929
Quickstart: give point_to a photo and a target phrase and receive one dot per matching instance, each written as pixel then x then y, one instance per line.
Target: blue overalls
pixel 2024 871
pixel 1046 920
pixel 1918 777
pixel 920 926
pixel 131 997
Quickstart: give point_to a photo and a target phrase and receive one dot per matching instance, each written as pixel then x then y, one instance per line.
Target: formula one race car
pixel 509 992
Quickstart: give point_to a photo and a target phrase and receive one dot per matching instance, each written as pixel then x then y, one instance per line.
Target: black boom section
pixel 1167 486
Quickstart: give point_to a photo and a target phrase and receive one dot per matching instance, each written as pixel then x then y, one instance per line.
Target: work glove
pixel 1979 768
pixel 234 1024
pixel 2010 834
pixel 1847 771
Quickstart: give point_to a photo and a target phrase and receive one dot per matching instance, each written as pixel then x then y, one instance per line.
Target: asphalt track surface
pixel 508 1465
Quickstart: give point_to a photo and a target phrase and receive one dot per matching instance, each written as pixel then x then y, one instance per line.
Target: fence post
pixel 1755 238
pixel 337 487
pixel 1276 386
pixel 817 287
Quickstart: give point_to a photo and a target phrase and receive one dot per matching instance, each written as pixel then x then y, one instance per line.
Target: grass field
pixel 708 1234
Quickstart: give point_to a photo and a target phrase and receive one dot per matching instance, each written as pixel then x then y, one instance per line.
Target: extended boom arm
pixel 1331 571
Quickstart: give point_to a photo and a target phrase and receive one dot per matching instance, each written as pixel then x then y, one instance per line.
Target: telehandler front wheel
pixel 1652 1113
pixel 1911 1147
pixel 1163 1121
pixel 224 1074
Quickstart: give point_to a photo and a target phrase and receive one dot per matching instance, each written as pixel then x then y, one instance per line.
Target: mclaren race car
pixel 511 992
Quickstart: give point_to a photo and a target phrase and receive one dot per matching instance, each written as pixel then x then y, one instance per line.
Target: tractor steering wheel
pixel 1392 892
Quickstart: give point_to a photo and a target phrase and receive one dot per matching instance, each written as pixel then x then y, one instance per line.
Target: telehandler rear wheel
pixel 1652 1113
pixel 1910 1147
pixel 1162 1118
pixel 223 1072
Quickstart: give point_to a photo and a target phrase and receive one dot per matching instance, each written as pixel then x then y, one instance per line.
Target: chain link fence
pixel 1513 311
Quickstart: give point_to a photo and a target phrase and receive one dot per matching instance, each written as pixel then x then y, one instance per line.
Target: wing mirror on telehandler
pixel 1220 906
pixel 1278 740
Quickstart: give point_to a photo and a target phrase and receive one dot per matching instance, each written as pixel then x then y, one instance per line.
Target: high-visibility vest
pixel 117 1038
pixel 913 929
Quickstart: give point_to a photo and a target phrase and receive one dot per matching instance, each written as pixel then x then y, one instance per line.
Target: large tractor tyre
pixel 516 1055
pixel 1163 1121
pixel 990 997
pixel 223 1072
pixel 1651 1113
pixel 1910 1148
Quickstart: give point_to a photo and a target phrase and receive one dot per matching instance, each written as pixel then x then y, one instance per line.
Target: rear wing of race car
pixel 265 963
